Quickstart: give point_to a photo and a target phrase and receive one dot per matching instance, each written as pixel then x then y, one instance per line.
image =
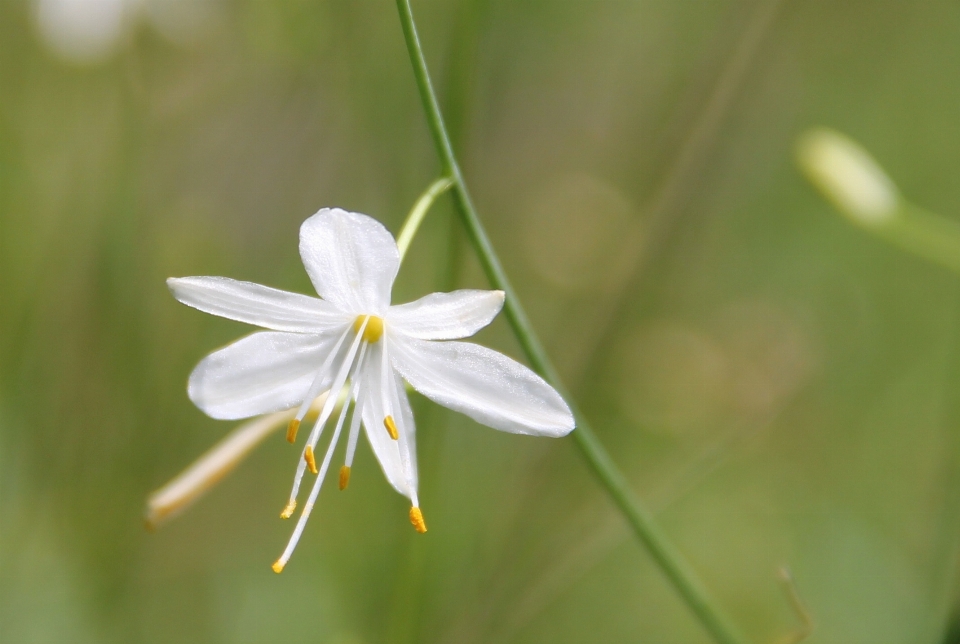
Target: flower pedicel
pixel 352 343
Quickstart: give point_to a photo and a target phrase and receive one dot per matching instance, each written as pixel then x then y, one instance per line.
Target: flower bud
pixel 848 176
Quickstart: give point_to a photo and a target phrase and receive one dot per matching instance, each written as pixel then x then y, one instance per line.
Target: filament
pixel 311 500
pixel 360 397
pixel 338 384
pixel 315 387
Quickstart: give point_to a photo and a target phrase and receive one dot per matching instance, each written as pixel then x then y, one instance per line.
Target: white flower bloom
pixel 353 340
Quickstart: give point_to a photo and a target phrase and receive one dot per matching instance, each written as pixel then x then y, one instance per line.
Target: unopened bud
pixel 848 176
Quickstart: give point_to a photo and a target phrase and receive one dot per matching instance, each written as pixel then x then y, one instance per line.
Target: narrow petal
pixel 408 440
pixel 446 316
pixel 483 384
pixel 204 473
pixel 262 373
pixel 255 304
pixel 384 448
pixel 351 259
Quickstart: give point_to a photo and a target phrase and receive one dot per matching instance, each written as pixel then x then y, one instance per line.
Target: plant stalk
pixel 641 520
pixel 418 212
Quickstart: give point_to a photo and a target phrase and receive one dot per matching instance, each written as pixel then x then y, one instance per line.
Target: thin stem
pixel 855 183
pixel 922 233
pixel 667 556
pixel 419 211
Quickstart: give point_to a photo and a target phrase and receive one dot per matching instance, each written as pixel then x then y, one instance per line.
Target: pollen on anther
pixel 391 427
pixel 277 566
pixel 416 518
pixel 309 458
pixel 344 476
pixel 292 430
pixel 288 510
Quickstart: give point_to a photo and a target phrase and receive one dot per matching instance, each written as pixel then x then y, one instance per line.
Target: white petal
pixel 351 259
pixel 265 372
pixel 255 304
pixel 385 448
pixel 483 384
pixel 211 467
pixel 214 464
pixel 446 316
pixel 409 434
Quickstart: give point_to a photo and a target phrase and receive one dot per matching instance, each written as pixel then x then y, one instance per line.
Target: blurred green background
pixel 773 381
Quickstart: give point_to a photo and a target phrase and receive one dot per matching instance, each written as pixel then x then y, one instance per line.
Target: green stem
pixel 922 233
pixel 419 211
pixel 669 558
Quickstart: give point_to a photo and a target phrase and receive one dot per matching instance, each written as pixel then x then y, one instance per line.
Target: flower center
pixel 363 332
pixel 373 330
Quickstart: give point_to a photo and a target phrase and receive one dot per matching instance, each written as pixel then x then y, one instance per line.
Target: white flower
pixel 352 340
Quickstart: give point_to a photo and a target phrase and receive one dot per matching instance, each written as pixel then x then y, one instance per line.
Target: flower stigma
pixel 374 327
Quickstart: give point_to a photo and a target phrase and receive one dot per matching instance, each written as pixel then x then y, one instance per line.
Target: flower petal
pixel 409 429
pixel 483 384
pixel 446 316
pixel 255 304
pixel 351 258
pixel 262 373
pixel 384 448
pixel 213 465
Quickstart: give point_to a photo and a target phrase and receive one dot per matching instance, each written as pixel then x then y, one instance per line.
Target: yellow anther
pixel 416 518
pixel 311 461
pixel 391 427
pixel 292 430
pixel 344 476
pixel 288 511
pixel 278 566
pixel 373 330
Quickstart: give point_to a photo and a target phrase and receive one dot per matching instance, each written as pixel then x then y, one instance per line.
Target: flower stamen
pixel 288 509
pixel 354 436
pixel 315 388
pixel 346 369
pixel 391 426
pixel 416 518
pixel 292 428
pixel 312 499
pixel 338 382
pixel 309 458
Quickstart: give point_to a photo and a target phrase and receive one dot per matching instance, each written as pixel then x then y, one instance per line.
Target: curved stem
pixel 419 211
pixel 923 233
pixel 644 525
